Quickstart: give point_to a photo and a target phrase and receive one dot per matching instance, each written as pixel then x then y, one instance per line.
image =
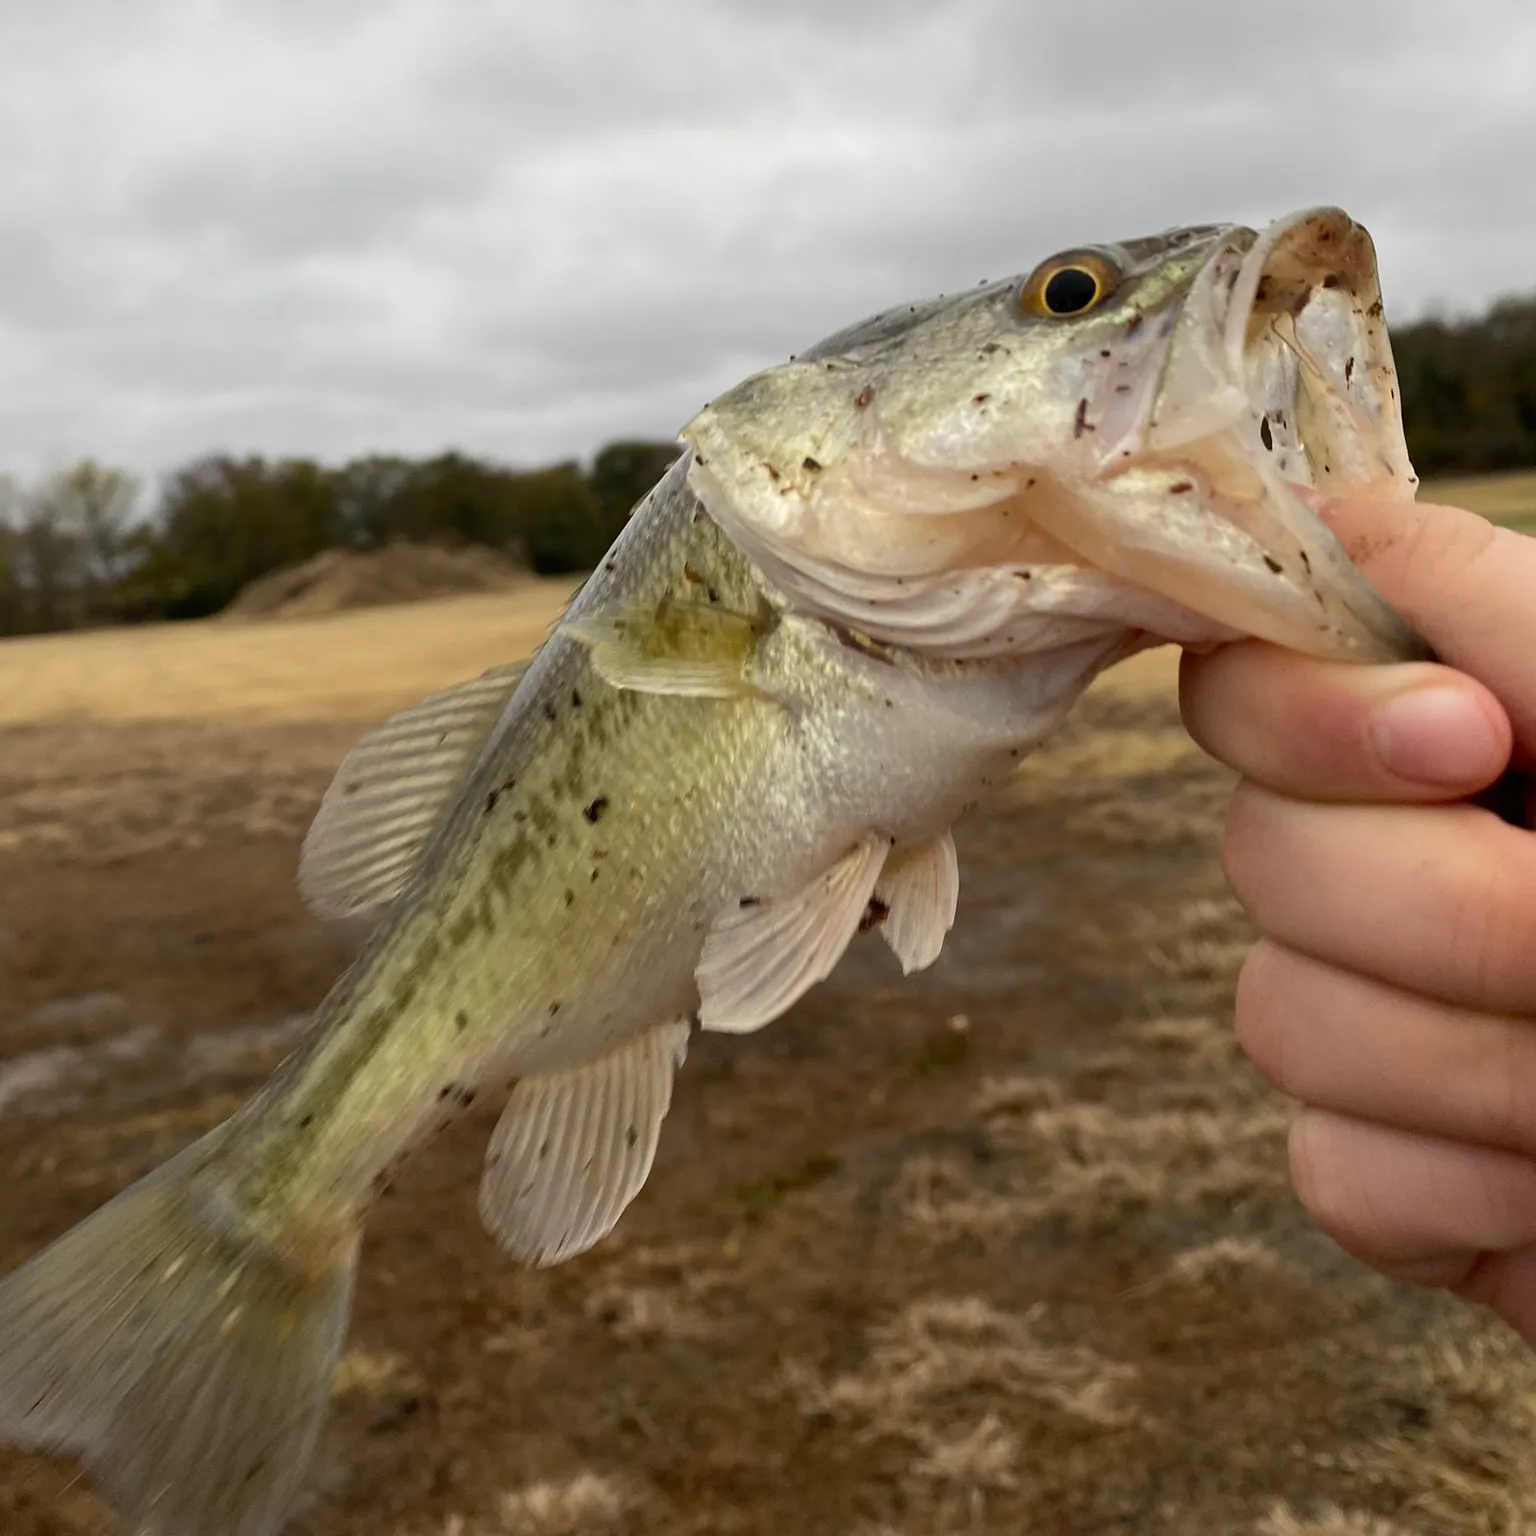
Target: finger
pixel 1439 900
pixel 1413 1206
pixel 1333 731
pixel 1506 1282
pixel 1343 1042
pixel 1463 583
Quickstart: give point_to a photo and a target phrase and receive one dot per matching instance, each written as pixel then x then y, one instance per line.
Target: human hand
pixel 1394 990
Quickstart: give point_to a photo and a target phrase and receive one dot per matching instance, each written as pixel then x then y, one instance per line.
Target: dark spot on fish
pixel 305 1121
pixel 550 712
pixel 491 799
pixel 1135 324
pixel 519 816
pixel 699 458
pixel 1105 352
pixel 1375 311
pixel 609 565
pixel 594 812
pixel 554 1008
pixel 1080 420
pixel 989 347
pixel 461 1021
pixel 1122 389
pixel 1331 281
pixel 689 574
pixel 593 880
pixel 1306 562
pixel 874 914
pixel 712 594
pixel 975 477
pixel 1179 487
pixel 570 897
pixel 1349 369
pixel 1273 564
pixel 1262 291
pixel 575 699
pixel 980 399
pixel 631 1135
pixel 750 901
pixel 773 474
pixel 864 396
pixel 811 464
pixel 1266 436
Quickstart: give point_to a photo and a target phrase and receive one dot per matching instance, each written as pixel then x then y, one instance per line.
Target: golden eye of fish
pixel 1066 285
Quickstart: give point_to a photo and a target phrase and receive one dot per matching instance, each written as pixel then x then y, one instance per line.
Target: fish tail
pixel 184 1361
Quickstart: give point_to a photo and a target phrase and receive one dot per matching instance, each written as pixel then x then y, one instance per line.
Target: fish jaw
pixel 1176 443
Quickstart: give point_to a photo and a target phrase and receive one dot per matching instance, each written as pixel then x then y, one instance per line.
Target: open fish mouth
pixel 971 480
pixel 1277 390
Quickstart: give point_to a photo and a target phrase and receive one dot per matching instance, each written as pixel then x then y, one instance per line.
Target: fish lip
pixel 1281 353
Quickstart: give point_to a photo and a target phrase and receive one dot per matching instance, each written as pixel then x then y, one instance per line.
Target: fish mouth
pixel 1153 472
pixel 1277 390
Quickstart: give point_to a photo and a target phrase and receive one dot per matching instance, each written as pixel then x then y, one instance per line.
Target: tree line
pixel 75 549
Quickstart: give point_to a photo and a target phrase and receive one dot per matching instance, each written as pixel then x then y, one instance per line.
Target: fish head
pixel 1162 415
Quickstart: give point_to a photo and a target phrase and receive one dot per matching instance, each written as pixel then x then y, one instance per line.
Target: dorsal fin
pixel 389 792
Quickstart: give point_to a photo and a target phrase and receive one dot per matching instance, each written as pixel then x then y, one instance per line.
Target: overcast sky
pixel 524 227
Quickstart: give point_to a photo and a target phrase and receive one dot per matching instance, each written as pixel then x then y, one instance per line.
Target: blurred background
pixel 337 340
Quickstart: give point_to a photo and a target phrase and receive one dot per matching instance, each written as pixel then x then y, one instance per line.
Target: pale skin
pixel 1393 993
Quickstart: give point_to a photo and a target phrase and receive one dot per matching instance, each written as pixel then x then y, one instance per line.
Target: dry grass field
pixel 1004 1248
pixel 1507 498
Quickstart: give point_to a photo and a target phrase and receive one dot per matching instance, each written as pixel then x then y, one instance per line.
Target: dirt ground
pixel 1003 1248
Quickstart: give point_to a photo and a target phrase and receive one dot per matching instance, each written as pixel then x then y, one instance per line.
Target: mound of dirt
pixel 338 579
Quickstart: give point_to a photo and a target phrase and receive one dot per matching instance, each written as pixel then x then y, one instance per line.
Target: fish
pixel 875 578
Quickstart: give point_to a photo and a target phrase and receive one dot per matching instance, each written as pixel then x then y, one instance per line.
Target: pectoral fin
pixel 690 650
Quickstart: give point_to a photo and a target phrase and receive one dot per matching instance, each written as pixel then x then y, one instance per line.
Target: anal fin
pixel 573 1148
pixel 759 959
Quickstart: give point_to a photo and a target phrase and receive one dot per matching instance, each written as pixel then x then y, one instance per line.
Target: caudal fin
pixel 185 1364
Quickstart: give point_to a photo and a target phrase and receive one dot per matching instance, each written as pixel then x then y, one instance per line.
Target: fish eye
pixel 1067 285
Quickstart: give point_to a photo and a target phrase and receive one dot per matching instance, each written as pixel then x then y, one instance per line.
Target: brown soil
pixel 1004 1248
pixel 336 580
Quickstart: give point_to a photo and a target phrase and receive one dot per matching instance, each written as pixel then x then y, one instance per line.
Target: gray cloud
pixel 331 226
